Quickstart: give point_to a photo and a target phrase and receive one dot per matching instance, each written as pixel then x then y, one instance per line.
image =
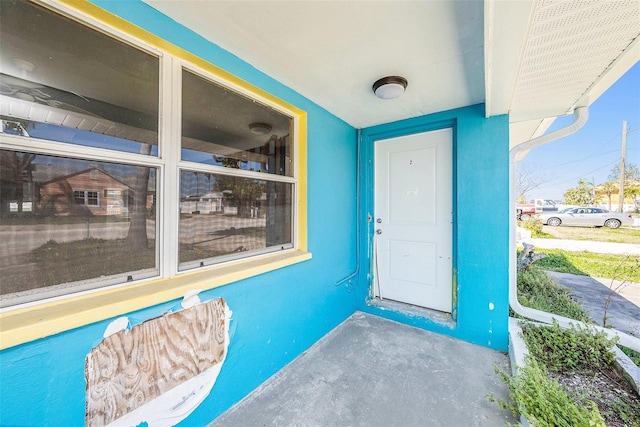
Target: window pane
pixel 62 81
pixel 227 217
pixel 78 197
pixel 56 229
pixel 223 128
pixel 92 198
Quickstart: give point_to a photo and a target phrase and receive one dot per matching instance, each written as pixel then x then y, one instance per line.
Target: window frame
pixel 191 166
pixel 86 197
pixel 185 267
pixel 38 319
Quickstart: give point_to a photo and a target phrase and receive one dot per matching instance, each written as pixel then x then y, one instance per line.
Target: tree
pixel 634 192
pixel 631 173
pixel 137 237
pixel 16 169
pixel 607 189
pixel 582 195
pixel 631 182
pixel 245 191
pixel 16 177
pixel 527 179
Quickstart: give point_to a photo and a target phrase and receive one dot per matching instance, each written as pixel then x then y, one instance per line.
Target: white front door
pixel 413 219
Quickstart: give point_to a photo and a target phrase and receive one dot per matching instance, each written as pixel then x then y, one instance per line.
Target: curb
pixel 517 352
pixel 628 369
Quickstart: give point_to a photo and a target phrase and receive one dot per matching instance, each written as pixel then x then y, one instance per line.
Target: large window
pixel 67 239
pixel 62 81
pixel 244 204
pixel 91 191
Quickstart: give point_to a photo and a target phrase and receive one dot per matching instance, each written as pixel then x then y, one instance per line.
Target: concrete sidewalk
pixel 371 371
pixel 628 290
pixel 585 245
pixel 623 314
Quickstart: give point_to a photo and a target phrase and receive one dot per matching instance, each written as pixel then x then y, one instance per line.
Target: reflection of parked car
pixel 586 217
pixel 524 212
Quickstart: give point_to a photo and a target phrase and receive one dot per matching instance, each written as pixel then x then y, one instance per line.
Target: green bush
pixel 572 350
pixel 534 225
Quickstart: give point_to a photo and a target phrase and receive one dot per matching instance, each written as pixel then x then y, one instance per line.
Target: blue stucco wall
pixel 276 316
pixel 481 218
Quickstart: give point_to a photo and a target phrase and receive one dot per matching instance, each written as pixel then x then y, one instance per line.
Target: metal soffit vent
pixel 572 42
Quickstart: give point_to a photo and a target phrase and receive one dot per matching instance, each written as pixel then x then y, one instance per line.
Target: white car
pixel 586 217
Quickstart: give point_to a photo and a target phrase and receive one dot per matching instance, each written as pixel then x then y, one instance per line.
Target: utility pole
pixel 593 188
pixel 623 153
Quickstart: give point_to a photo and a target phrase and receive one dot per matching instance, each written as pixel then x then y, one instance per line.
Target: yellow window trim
pixel 22 325
pixel 30 323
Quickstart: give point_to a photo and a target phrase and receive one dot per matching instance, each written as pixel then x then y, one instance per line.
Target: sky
pixel 594 150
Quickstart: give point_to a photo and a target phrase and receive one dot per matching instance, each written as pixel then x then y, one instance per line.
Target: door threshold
pixel 436 316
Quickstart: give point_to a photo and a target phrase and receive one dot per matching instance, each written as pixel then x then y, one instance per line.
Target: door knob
pixel 378 231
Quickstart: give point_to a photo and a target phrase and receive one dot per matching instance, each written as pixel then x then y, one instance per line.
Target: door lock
pixel 379 220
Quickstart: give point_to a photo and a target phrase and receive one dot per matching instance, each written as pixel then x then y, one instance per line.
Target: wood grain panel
pixel 130 368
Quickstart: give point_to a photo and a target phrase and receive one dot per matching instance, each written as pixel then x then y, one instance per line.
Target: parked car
pixel 586 217
pixel 546 205
pixel 524 212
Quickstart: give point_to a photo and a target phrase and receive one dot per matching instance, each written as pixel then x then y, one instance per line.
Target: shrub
pixel 534 225
pixel 542 401
pixel 569 350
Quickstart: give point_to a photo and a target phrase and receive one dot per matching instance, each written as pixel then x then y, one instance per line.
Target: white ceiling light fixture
pixel 23 65
pixel 260 128
pixel 390 87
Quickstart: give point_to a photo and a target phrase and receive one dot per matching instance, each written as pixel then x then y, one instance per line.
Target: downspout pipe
pixel 581 115
pixel 355 272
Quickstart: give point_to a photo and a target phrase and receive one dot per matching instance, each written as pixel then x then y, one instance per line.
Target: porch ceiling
pixel 533 59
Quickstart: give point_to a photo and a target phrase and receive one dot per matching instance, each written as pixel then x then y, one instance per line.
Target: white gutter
pixel 581 115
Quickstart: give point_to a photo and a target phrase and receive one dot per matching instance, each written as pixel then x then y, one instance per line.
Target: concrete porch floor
pixel 370 371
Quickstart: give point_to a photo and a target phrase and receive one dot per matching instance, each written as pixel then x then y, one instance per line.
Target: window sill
pixel 22 325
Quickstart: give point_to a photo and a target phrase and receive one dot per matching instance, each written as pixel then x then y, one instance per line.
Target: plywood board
pixel 131 368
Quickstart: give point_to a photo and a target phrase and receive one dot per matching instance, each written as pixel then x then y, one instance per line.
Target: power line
pixel 587 157
pixel 587 173
pixel 578 160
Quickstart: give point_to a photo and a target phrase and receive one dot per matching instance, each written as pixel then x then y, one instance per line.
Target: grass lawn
pixel 61 220
pixel 537 290
pixel 604 234
pixel 56 263
pixel 606 266
pixel 87 259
